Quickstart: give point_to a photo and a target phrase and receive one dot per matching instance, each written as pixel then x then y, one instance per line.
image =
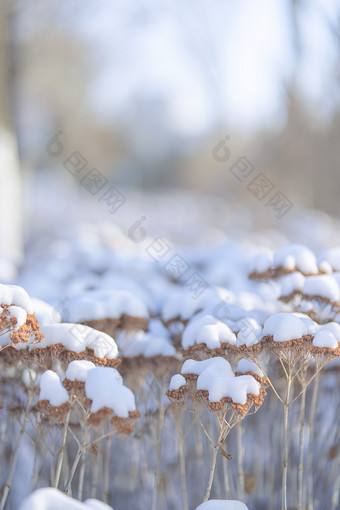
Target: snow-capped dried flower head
pixel 110 399
pixel 284 260
pixel 50 499
pixel 246 367
pixel 213 382
pixel 54 400
pixel 249 335
pixel 291 285
pixel 323 288
pixel 205 335
pixel 326 343
pixel 68 342
pixel 45 313
pixel 260 267
pixel 219 504
pixel 318 296
pixel 331 258
pixel 181 306
pixel 297 337
pixel 142 352
pixel 108 310
pixel 17 317
pixel 285 329
pixel 76 375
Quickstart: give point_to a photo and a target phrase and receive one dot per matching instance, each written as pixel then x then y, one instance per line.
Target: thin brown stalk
pixel 311 445
pixel 68 489
pixel 301 444
pixel 16 452
pixel 62 450
pixel 285 444
pixel 240 455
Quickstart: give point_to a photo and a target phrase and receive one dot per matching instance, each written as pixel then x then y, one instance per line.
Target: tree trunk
pixel 10 178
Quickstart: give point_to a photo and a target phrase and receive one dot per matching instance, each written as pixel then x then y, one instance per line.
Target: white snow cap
pixel 245 366
pixel 250 332
pixel 327 335
pixel 104 386
pixel 177 381
pixel 77 337
pixel 18 302
pixel 296 256
pixel 332 257
pixel 222 504
pixel 208 330
pixel 216 376
pixel 323 285
pixel 45 313
pixel 95 504
pixel 261 262
pixel 15 295
pixel 285 326
pixel 311 326
pixel 19 314
pixel 78 370
pixel 290 283
pixel 156 342
pixel 52 390
pixel 104 304
pixel 181 303
pixel 53 499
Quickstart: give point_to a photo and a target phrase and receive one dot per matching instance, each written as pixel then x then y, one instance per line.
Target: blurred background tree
pixel 144 90
pixel 10 188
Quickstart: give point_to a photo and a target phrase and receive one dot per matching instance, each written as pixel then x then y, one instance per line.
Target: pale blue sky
pixel 206 60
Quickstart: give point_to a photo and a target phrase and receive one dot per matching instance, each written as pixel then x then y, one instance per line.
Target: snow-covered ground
pixel 161 287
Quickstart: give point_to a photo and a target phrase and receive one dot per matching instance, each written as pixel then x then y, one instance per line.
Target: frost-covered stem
pixel 310 448
pixel 213 464
pixel 285 445
pixel 95 473
pixel 81 476
pixel 226 477
pixel 67 489
pixel 16 453
pixel 182 467
pixel 336 489
pixel 158 446
pixel 199 450
pixel 62 450
pixel 240 455
pixel 52 470
pixel 34 468
pixel 211 474
pixel 301 447
pixel 107 460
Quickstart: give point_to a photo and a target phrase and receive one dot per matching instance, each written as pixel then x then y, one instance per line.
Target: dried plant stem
pixel 213 463
pixel 107 460
pixel 199 450
pixel 301 444
pixel 82 476
pixel 229 490
pixel 62 450
pixel 158 446
pixel 81 446
pixel 182 466
pixel 285 442
pixel 16 452
pixel 95 478
pixel 211 474
pixel 226 478
pixel 310 448
pixel 336 489
pixel 240 455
